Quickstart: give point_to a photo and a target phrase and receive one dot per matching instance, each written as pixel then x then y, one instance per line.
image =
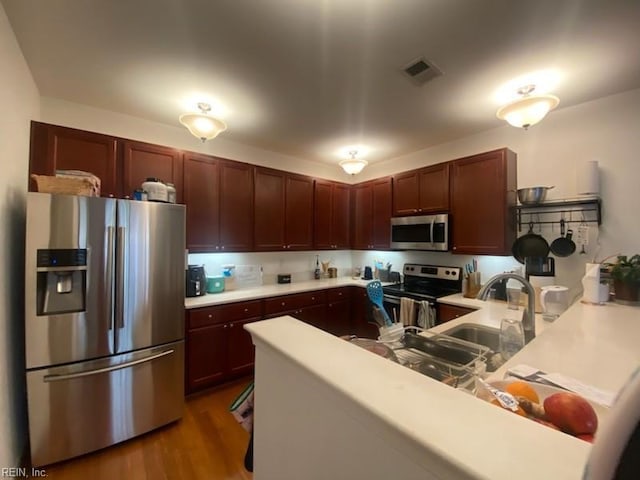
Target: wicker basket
pixel 66 185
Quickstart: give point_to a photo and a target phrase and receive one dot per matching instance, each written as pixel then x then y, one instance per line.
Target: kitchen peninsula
pixel 332 410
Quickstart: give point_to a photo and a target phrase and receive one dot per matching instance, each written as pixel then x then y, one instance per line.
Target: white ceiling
pixel 306 77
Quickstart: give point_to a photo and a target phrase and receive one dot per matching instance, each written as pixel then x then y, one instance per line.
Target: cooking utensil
pixel 375 293
pixel 563 246
pixel 530 245
pixel 532 195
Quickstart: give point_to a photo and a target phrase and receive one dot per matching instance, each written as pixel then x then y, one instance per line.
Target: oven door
pixel 427 232
pixel 424 310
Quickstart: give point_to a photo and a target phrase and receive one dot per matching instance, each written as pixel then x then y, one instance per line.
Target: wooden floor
pixel 207 443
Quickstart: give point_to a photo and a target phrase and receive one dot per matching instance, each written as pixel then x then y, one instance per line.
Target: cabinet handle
pixel 210 316
pixel 246 310
pixel 282 304
pixel 454 248
pixel 231 325
pixel 313 298
pixel 222 247
pixel 225 326
pixel 217 247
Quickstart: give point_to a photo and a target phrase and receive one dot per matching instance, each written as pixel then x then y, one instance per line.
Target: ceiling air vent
pixel 420 71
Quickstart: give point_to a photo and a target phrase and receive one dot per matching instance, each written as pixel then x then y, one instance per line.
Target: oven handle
pixel 391 299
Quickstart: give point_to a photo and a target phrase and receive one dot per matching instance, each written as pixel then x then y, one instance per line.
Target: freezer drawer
pixel 79 408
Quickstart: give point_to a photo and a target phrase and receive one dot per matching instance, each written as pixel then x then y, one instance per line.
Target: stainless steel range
pixel 424 283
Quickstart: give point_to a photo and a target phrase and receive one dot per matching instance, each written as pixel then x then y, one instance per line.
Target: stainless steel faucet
pixel 529 315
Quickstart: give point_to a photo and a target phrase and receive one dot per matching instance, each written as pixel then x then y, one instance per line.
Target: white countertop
pixel 265 291
pixel 595 344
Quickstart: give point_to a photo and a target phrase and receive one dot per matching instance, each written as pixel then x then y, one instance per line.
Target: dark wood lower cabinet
pixel 447 313
pixel 218 348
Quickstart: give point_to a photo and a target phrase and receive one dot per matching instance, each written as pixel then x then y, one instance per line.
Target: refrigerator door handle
pixel 109 275
pixel 70 376
pixel 120 280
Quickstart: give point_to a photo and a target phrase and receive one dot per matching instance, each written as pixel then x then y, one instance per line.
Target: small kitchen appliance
pixel 196 281
pixel 424 232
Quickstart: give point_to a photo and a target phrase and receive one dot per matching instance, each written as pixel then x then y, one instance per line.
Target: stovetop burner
pixel 427 282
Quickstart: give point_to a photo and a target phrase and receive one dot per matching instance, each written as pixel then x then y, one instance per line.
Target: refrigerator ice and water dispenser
pixel 61 281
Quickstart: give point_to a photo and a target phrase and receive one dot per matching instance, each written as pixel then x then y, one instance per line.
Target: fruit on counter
pixel 571 413
pixel 587 437
pixel 522 389
pixel 545 423
pixel 533 409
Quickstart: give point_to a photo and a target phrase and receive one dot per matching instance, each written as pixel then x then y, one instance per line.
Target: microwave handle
pixel 433 219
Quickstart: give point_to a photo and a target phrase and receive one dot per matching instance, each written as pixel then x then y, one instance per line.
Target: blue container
pixel 215 284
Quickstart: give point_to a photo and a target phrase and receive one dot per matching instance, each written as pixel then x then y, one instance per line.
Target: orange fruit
pixel 522 389
pixel 520 411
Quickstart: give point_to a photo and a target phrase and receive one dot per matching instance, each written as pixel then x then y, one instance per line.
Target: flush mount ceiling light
pixel 353 165
pixel 202 125
pixel 529 109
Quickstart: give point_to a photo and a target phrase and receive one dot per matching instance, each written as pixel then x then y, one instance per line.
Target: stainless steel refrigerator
pixel 104 314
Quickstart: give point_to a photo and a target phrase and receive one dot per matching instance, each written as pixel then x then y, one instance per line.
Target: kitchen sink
pixel 480 334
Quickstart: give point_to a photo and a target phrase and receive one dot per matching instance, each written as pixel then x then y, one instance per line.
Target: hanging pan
pixel 530 245
pixel 563 246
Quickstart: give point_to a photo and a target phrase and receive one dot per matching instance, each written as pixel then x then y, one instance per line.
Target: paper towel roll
pixel 588 178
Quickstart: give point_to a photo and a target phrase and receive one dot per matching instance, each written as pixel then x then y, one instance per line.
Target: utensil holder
pixel 472 284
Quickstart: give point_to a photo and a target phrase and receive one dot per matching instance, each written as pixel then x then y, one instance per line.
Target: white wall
pixel 19 98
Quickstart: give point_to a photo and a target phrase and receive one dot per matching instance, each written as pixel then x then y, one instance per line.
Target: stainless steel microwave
pixel 425 232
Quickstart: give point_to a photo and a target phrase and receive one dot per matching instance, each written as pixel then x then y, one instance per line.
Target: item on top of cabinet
pixel 215 284
pixel 171 193
pixel 284 278
pixel 68 185
pixel 156 190
pixel 140 195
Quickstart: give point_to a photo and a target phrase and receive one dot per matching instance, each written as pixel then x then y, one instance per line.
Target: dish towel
pixel 426 315
pixel 407 312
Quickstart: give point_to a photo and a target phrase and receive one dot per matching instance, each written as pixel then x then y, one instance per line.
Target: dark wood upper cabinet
pixel 143 160
pixel 269 204
pixel 421 191
pixel 331 215
pixel 362 212
pixel 299 212
pixel 283 211
pixel 372 214
pixel 60 148
pixel 236 206
pixel 201 196
pixel 483 198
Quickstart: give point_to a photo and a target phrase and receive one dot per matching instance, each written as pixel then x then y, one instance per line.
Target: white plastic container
pixel 156 190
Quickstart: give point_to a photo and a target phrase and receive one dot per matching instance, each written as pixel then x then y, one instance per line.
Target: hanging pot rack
pixel 586 211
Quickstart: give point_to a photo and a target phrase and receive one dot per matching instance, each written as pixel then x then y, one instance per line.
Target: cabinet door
pixel 406 193
pixel 323 196
pixel 361 314
pixel 299 212
pixel 59 148
pixel 338 319
pixel 447 313
pixel 206 356
pixel 269 210
pixel 381 202
pixel 201 181
pixel 482 203
pixel 142 160
pixel 340 216
pixel 236 206
pixel 434 189
pixel 362 217
pixel 315 315
pixel 241 351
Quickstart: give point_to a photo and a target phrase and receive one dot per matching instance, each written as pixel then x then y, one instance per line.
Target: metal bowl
pixel 532 195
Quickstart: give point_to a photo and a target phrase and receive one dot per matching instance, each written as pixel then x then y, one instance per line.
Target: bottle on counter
pixel 316 272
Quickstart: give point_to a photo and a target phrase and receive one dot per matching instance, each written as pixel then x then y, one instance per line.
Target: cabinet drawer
pixel 336 294
pixel 240 311
pixel 293 302
pixel 201 317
